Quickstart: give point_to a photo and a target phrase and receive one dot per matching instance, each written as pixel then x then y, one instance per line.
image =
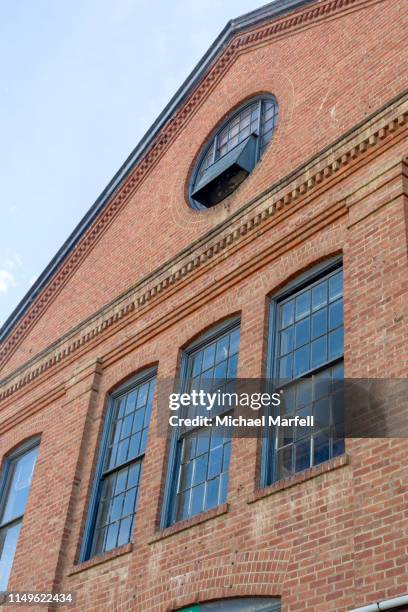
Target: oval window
pixel 233 151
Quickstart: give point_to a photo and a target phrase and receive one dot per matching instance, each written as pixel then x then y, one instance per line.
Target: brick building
pixel 272 188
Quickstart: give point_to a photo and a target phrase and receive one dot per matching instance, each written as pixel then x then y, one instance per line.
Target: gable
pixel 147 220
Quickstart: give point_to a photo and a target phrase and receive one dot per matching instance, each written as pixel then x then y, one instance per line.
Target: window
pixel 242 604
pixel 307 363
pixel 115 495
pixel 233 152
pixel 17 478
pixel 199 459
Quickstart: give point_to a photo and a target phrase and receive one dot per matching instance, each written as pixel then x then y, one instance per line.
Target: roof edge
pixel 267 12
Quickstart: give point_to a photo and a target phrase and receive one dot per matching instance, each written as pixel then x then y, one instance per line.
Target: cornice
pixel 78 247
pixel 357 148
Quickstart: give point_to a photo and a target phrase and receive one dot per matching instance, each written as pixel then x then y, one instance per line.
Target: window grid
pixel 240 127
pixel 309 368
pixel 259 117
pixel 203 453
pixel 122 465
pixel 20 469
pixel 310 328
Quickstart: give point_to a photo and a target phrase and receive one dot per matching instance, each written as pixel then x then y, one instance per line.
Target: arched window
pixel 306 361
pixel 233 151
pixel 197 478
pixel 14 491
pixel 116 488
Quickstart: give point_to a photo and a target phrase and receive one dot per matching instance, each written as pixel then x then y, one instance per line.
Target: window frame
pixel 212 141
pixel 99 473
pixel 22 449
pixel 305 279
pixel 171 480
pixel 274 604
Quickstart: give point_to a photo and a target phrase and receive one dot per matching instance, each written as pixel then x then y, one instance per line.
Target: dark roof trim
pixel 249 20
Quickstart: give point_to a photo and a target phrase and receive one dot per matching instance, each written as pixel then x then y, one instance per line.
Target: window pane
pixel 222 349
pixel 287 313
pixel 234 342
pixel 301 364
pixel 302 305
pixel 285 369
pixel 233 366
pixel 197 499
pixel 304 392
pixel 203 442
pixel 319 352
pixel 8 545
pixel 284 462
pixel 336 286
pixel 336 343
pixel 319 323
pixel 18 488
pixel 322 413
pixel 208 357
pixel 130 402
pixel 138 420
pixel 336 314
pixel 286 341
pixel 319 295
pixel 197 361
pixel 215 462
pixel 125 531
pixel 302 333
pixel 200 469
pixel 212 493
pixel 302 455
pixel 111 536
pixel 321 447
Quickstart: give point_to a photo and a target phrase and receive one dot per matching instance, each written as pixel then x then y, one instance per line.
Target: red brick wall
pixel 337 537
pixel 327 77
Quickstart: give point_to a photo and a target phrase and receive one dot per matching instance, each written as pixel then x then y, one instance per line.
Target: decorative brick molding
pixel 223 576
pixel 304 18
pixel 260 215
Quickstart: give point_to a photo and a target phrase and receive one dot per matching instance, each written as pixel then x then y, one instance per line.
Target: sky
pixel 81 81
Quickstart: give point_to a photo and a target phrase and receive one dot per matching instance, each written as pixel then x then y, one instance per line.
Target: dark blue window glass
pixel 203 454
pixel 19 473
pixel 309 364
pixel 121 467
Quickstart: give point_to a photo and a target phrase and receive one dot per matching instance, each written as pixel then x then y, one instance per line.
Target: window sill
pixel 188 523
pixel 313 472
pixel 103 558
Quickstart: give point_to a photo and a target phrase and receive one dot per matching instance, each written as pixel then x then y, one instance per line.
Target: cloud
pixel 6 281
pixel 13 262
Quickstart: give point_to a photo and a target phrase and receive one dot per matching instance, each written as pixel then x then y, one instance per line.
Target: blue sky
pixel 81 82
